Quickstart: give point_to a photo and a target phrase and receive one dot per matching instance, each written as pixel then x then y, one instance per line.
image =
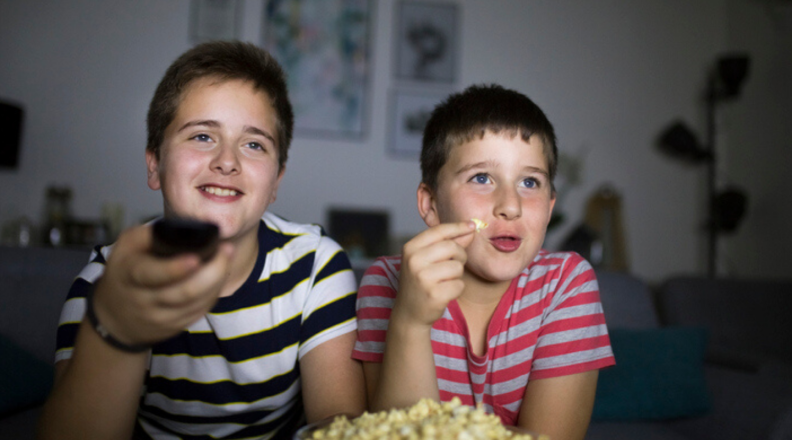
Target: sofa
pixel 696 358
pixel 33 286
pixel 725 353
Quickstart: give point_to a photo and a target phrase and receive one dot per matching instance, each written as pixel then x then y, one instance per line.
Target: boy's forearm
pixel 332 382
pixel 408 370
pixel 96 393
pixel 559 407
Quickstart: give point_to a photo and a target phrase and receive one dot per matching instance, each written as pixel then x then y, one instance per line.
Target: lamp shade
pixel 732 71
pixel 730 206
pixel 680 142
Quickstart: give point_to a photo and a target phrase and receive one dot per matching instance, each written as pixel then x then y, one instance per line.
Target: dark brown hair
pixel 224 60
pixel 480 109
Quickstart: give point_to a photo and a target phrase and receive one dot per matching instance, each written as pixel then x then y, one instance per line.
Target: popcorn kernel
pixel 425 420
pixel 480 224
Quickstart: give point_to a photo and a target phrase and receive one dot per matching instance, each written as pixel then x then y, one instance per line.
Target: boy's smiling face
pixel 504 182
pixel 219 160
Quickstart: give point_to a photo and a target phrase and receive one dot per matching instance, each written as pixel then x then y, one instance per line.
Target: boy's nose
pixel 225 160
pixel 507 204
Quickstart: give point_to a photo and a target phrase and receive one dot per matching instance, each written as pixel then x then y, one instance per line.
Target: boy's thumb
pixel 465 240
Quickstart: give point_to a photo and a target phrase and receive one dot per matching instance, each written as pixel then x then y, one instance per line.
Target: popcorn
pixel 480 224
pixel 426 420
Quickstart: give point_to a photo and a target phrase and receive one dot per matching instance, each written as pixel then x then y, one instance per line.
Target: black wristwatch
pixel 104 334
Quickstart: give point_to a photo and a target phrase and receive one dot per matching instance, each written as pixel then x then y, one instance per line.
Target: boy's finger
pixel 444 271
pixel 133 240
pixel 132 260
pixel 449 290
pixel 204 283
pixel 443 231
pixel 465 240
pixel 149 271
pixel 440 251
pixel 153 271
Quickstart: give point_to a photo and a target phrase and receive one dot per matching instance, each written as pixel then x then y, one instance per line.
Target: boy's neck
pixel 478 303
pixel 482 292
pixel 242 262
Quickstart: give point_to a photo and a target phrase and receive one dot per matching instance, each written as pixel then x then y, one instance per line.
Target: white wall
pixel 757 141
pixel 609 74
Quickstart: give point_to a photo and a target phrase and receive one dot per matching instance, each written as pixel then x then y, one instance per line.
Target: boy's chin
pixel 495 274
pixel 233 232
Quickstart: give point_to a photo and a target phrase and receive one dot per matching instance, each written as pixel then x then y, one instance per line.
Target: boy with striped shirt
pixel 250 344
pixel 474 308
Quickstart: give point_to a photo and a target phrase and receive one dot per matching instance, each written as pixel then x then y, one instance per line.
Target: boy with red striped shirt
pixel 476 309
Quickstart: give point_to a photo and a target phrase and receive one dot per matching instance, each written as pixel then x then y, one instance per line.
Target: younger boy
pixel 246 345
pixel 474 312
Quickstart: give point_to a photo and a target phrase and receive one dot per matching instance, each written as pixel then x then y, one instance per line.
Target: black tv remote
pixel 174 236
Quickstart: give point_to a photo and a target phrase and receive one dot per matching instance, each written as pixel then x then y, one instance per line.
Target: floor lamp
pixel 725 208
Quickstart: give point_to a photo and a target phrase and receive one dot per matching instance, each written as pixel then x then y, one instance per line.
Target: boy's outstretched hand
pixel 432 266
pixel 144 299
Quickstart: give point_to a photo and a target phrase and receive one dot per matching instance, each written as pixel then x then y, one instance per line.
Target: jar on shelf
pixel 58 210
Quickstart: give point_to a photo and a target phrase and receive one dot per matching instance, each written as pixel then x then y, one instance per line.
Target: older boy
pixel 475 312
pixel 246 345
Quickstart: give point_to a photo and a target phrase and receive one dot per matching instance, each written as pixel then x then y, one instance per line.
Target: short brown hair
pixel 471 114
pixel 224 60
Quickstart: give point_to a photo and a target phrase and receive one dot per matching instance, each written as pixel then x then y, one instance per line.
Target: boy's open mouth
pixel 506 243
pixel 222 192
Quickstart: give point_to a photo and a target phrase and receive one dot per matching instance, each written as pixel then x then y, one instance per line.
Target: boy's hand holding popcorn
pixel 433 263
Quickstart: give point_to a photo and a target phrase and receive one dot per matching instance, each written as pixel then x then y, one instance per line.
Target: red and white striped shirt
pixel 548 323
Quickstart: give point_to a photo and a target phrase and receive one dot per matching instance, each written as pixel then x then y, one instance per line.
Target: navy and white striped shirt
pixel 234 373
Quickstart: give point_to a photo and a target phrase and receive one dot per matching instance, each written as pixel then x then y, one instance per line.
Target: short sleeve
pixel 573 337
pixel 329 309
pixel 73 309
pixel 377 292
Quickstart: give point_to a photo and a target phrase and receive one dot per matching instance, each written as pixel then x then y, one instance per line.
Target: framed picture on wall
pixel 410 110
pixel 323 47
pixel 427 41
pixel 214 20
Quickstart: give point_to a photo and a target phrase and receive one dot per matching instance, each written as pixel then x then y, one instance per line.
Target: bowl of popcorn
pixel 426 420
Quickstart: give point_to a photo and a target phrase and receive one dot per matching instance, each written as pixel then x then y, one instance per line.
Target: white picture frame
pixel 410 110
pixel 427 41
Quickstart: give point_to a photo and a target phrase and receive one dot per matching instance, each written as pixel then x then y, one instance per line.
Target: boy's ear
pixel 152 170
pixel 274 195
pixel 552 204
pixel 427 205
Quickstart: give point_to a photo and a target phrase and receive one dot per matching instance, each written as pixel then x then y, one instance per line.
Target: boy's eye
pixel 255 146
pixel 531 183
pixel 202 137
pixel 481 178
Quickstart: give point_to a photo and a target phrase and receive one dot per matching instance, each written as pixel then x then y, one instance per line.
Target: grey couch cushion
pixel 34 283
pixel 626 301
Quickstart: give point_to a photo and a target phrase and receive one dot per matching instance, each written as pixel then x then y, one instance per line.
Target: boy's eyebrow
pixel 471 166
pixel 260 132
pixel 214 124
pixel 203 122
pixel 541 171
pixel 485 164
